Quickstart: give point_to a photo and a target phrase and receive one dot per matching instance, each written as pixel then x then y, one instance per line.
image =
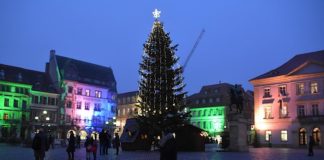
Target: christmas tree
pixel 161 84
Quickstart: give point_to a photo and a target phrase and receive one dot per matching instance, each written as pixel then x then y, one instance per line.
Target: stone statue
pixel 237 98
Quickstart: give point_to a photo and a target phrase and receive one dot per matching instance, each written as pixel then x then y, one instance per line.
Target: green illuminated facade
pixel 14 109
pixel 211 119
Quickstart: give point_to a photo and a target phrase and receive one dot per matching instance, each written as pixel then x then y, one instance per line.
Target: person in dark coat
pixel 88 145
pixel 51 141
pixel 107 142
pixel 94 147
pixel 71 146
pixel 78 141
pixel 310 146
pixel 102 140
pixel 40 145
pixel 168 147
pixel 116 143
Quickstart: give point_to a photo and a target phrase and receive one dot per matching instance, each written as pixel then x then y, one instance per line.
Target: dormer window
pixel 19 77
pixel 2 74
pixel 267 93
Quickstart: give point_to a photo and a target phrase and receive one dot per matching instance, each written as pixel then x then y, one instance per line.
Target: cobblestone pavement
pixel 9 152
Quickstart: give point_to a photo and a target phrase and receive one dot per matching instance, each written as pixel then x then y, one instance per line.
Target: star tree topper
pixel 156 14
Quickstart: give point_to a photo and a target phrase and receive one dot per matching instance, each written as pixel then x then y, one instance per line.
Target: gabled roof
pixel 38 80
pixel 84 72
pixel 293 64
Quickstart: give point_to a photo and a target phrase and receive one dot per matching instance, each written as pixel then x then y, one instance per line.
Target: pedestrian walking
pixel 94 147
pixel 168 149
pixel 51 141
pixel 310 146
pixel 78 141
pixel 71 146
pixel 102 140
pixel 88 145
pixel 40 145
pixel 116 143
pixel 107 142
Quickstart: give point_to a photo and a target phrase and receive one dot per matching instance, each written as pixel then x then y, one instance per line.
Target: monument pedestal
pixel 238 133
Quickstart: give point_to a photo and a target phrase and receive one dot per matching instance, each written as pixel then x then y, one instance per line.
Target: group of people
pixel 41 143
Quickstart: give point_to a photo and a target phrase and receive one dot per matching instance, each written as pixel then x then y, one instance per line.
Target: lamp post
pixel 43 119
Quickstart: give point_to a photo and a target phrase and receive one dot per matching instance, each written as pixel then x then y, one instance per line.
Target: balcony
pixel 311 119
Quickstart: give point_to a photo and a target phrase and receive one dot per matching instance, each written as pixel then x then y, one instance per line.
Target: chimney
pixel 52 53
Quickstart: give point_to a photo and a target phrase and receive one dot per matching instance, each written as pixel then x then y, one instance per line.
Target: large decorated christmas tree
pixel 161 84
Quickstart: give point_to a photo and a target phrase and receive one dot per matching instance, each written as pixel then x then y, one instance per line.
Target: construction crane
pixel 194 48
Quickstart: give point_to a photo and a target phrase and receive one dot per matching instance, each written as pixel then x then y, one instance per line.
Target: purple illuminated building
pixel 87 94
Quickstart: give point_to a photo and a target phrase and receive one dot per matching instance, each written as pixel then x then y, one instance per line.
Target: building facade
pixel 126 108
pixel 24 95
pixel 289 102
pixel 210 107
pixel 88 92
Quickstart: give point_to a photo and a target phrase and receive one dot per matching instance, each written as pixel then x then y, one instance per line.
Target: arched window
pixel 317 135
pixel 302 136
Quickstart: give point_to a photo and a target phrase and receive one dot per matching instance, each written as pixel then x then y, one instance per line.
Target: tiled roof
pixel 38 80
pixel 84 72
pixel 293 63
pixel 211 88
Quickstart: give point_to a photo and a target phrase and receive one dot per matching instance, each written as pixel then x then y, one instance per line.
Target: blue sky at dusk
pixel 243 39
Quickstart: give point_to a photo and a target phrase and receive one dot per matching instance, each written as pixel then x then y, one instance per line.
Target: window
pixel 5 116
pixel 203 101
pixel 197 101
pixel 16 103
pixel 113 109
pixel 6 102
pixel 97 107
pixel 78 106
pixel 79 91
pixel 70 89
pixel 52 101
pixel 24 104
pixel 283 111
pixel 300 88
pixel 44 100
pixel 217 99
pixel 68 118
pixel 268 136
pixel 35 99
pixel 314 87
pixel 268 112
pixel 315 109
pixel 87 106
pixel 87 92
pixel 98 94
pixel 284 136
pixel 128 99
pixel 69 104
pixel 301 110
pixel 283 90
pixel 267 92
pixel 210 100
